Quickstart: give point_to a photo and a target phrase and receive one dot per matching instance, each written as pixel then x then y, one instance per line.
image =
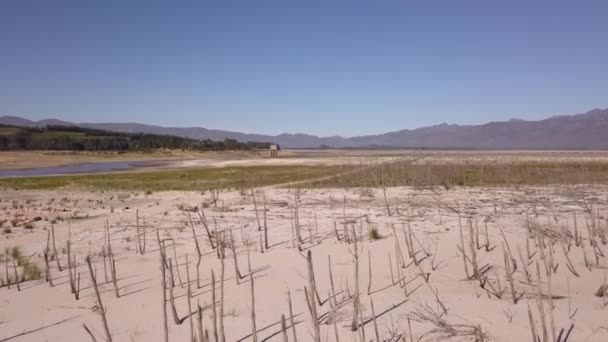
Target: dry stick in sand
pixel 219 250
pixel 89 332
pixel 487 244
pixel 344 222
pixel 355 254
pixel 577 237
pixel 261 245
pixel 179 275
pixel 310 298
pixel 255 208
pixel 48 242
pixel 477 234
pixel 17 281
pixel 569 263
pixel 8 278
pixel 296 217
pixel 407 237
pixel 362 330
pixel 390 266
pixel 462 249
pixel 76 279
pixel 509 274
pixel 102 310
pixel 549 289
pixel 254 329
pixel 388 207
pixel 176 318
pixel 312 309
pixel 316 228
pixel 104 256
pixel 77 294
pixel 49 277
pixel 371 302
pixel 143 239
pixel 336 232
pixel 138 238
pixel 334 322
pixel 214 307
pixel 198 253
pixel 112 261
pixel 199 317
pixel 309 233
pixel 163 282
pixel 369 264
pixel 237 273
pixel 532 326
pixel 70 273
pixel 400 279
pixel 248 259
pixel 189 294
pixel 409 327
pixel 513 261
pixel 439 213
pixel 222 246
pixel 476 272
pixel 284 329
pixel 398 251
pixel 265 223
pixel 55 249
pixel 293 236
pixel 114 276
pixel 539 303
pixel 291 320
pixel 331 282
pixel 201 216
pixel 524 267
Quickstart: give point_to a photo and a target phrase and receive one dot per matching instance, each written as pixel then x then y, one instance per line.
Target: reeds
pixel 102 310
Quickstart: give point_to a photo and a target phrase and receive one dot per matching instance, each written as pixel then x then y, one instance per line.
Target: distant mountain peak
pixel 579 131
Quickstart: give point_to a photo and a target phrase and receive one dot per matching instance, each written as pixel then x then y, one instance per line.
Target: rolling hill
pixel 581 131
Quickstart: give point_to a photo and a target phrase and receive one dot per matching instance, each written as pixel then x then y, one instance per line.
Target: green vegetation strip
pixel 469 174
pixel 324 176
pixel 183 179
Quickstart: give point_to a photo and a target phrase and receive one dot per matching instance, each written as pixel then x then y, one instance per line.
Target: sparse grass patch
pixel 448 175
pixel 183 179
pixel 365 176
pixel 30 270
pixel 374 234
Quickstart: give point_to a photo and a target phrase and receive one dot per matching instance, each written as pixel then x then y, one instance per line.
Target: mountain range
pixel 586 131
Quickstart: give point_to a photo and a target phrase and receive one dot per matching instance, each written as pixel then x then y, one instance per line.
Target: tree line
pixel 84 139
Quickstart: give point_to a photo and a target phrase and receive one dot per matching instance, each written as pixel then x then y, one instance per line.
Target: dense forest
pixel 85 139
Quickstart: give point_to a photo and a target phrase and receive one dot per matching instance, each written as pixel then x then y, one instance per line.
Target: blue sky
pixel 321 67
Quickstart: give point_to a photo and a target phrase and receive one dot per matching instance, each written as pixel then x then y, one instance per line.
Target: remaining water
pixel 81 168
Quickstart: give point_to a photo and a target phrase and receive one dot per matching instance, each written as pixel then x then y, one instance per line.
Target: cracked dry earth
pixel 418 283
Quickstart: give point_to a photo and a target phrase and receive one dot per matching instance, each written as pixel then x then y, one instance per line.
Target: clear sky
pixel 321 67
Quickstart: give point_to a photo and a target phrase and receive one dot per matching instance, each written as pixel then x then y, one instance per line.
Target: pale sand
pixel 136 315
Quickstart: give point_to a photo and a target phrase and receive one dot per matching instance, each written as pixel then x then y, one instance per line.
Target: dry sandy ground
pixel 43 313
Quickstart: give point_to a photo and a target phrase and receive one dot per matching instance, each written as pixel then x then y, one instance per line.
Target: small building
pixel 274 150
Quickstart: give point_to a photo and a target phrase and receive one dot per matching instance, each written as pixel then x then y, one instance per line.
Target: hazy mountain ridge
pixel 580 131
